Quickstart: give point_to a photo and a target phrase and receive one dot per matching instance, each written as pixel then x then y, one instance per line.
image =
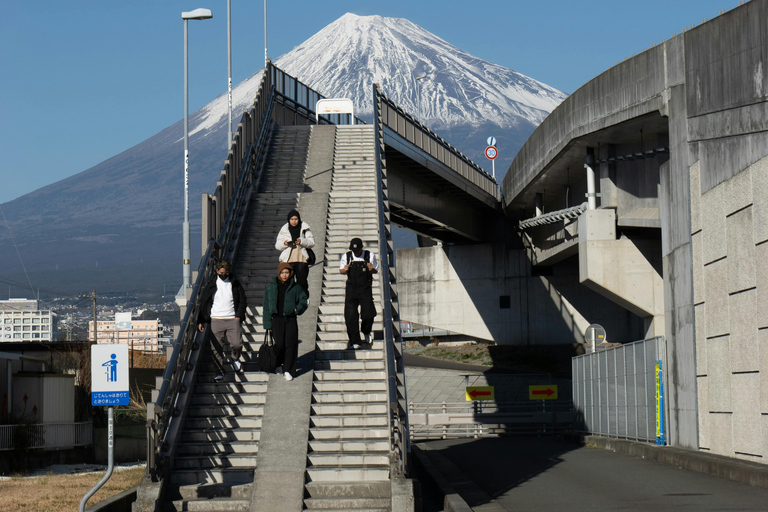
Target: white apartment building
pixel 21 320
pixel 141 335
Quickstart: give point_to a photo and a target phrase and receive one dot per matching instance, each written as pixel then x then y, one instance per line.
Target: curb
pixel 746 472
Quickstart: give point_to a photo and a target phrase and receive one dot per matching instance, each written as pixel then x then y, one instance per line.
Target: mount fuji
pixel 116 226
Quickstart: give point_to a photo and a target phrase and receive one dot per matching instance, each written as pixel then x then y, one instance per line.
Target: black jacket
pixel 206 300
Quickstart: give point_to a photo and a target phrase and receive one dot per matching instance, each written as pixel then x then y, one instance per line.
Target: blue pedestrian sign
pixel 109 375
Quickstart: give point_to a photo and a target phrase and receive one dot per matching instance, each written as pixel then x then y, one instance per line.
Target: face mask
pixel 223 277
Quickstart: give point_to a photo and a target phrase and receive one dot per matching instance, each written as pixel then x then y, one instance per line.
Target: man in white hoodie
pixel 223 305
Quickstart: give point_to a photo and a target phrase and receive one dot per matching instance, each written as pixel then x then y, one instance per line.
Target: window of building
pixel 27 320
pixel 44 320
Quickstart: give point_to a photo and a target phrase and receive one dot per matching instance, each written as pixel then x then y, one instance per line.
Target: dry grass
pixel 63 492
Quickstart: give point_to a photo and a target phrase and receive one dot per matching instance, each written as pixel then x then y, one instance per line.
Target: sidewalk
pixel 491 463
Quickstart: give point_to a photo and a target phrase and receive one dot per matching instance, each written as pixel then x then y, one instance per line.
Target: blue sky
pixel 83 81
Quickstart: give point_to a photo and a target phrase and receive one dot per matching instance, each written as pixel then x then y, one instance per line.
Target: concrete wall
pixel 460 288
pixel 711 84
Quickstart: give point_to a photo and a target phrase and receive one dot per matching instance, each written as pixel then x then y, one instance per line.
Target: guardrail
pixel 411 129
pixel 393 342
pixel 452 420
pixel 46 435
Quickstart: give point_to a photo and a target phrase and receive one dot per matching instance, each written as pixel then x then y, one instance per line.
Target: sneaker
pixel 219 378
pixel 355 346
pixel 288 376
pixel 369 338
pixel 237 365
pixel 279 370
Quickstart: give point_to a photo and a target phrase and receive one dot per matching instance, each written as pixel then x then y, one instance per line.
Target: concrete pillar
pixel 590 167
pixel 539 208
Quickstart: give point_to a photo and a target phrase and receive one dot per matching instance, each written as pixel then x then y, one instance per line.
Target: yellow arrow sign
pixel 548 392
pixel 479 393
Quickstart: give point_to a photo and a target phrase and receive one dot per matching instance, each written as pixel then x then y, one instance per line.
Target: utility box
pixel 43 397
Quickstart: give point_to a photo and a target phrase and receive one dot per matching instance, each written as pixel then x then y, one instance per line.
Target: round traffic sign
pixel 491 141
pixel 491 152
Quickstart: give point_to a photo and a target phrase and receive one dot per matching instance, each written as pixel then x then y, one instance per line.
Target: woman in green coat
pixel 284 299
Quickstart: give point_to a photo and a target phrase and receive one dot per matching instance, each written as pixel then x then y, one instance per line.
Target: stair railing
pixel 166 407
pixel 393 343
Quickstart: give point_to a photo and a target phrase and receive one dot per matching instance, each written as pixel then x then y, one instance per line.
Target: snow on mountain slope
pixel 349 55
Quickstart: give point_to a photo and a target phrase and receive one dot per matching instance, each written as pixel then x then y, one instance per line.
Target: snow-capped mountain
pixel 351 54
pixel 118 223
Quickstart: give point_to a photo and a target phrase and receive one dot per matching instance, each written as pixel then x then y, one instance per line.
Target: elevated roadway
pixel 650 181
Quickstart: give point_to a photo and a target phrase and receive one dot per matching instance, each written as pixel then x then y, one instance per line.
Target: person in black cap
pixel 359 266
pixel 293 241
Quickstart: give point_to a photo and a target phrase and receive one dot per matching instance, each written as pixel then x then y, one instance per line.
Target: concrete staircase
pixel 217 455
pixel 348 454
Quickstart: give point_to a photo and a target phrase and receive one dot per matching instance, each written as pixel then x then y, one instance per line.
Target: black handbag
pixel 267 357
pixel 311 258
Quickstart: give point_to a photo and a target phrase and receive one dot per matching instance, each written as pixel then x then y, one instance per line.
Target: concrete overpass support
pixel 621 270
pixel 490 292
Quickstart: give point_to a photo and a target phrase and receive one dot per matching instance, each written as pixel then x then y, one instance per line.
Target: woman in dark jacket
pixel 283 301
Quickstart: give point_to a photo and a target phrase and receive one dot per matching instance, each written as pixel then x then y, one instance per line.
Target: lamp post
pixel 229 70
pixel 197 14
pixel 418 92
pixel 265 34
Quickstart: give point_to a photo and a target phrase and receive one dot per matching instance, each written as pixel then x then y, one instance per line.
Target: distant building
pixel 141 335
pixel 22 320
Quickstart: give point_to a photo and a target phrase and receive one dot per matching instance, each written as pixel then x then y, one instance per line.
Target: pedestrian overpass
pixel 337 436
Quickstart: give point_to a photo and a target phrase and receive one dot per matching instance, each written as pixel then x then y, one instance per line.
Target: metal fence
pixel 438 409
pixel 46 435
pixel 615 391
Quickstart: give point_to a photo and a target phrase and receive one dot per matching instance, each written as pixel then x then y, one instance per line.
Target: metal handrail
pixel 158 423
pixel 571 213
pixel 276 86
pixel 397 414
pixel 478 176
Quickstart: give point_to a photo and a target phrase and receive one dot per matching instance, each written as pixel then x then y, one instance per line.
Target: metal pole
pixel 186 257
pixel 265 33
pixel 229 68
pixel 110 458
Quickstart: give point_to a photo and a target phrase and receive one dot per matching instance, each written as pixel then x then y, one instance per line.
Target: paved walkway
pixel 548 473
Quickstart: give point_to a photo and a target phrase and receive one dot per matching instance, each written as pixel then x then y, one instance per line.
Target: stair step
pixel 218 448
pixel 212 505
pixel 347 474
pixel 202 462
pixel 348 433
pixel 346 446
pixel 348 504
pixel 212 476
pixel 339 421
pixel 192 492
pixel 349 408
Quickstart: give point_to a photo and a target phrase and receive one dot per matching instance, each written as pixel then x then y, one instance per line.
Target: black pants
pixel 354 299
pixel 285 330
pixel 301 271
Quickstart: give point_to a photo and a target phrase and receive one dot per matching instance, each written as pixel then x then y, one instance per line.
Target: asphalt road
pixel 547 474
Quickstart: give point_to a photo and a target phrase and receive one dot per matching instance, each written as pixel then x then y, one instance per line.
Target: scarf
pixel 294 230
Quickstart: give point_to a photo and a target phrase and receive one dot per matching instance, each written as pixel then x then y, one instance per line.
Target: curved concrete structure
pixel 677 138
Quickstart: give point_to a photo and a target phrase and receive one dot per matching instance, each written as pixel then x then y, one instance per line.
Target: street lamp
pixel 197 14
pixel 418 92
pixel 229 69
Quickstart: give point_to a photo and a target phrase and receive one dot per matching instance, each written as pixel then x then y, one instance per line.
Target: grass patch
pixel 554 359
pixel 63 492
pixel 470 354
